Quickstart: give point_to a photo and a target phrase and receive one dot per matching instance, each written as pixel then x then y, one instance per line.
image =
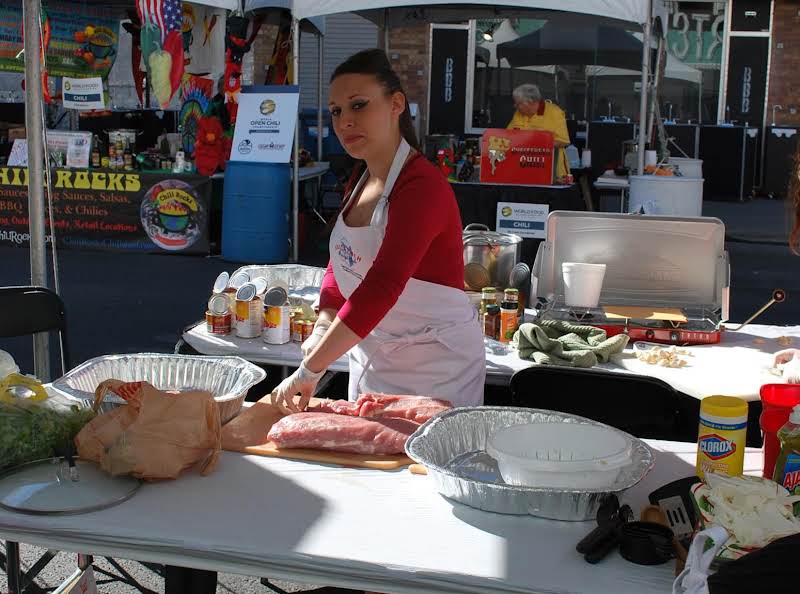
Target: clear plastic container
pixel 560 455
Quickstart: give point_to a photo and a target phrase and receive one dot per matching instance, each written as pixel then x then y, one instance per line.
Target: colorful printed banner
pixel 83 38
pixel 116 211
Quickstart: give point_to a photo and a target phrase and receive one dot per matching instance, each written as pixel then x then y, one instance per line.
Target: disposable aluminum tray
pixel 227 378
pixel 452 446
pixel 295 276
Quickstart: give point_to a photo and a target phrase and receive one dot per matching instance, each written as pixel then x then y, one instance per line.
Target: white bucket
pixel 666 195
pixel 688 167
pixel 582 283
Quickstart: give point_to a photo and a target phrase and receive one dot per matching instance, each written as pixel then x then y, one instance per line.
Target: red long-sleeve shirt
pixel 422 241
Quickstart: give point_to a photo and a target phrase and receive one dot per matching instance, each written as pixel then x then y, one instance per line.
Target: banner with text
pixel 83 37
pixel 129 211
pixel 265 124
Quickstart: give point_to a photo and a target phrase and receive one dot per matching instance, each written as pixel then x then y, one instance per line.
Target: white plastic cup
pixel 582 283
pixel 586 158
pixel 651 158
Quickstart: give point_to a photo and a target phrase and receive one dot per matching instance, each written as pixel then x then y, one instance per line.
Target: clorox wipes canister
pixel 722 435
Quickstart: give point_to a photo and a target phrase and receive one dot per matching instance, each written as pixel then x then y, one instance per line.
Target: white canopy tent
pixel 639 13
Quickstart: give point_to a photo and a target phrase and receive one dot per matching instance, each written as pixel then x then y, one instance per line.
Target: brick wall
pixel 784 76
pixel 408 52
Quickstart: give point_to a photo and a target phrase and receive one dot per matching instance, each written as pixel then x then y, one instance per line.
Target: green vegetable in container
pixel 31 430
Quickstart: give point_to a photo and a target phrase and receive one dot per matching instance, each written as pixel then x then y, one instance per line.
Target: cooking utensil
pixel 778 296
pixel 675 500
pixel 495 252
pixel 603 539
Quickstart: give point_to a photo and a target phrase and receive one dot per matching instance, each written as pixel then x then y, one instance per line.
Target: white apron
pixel 430 343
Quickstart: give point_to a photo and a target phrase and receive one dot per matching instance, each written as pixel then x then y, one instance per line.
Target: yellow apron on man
pixel 549 117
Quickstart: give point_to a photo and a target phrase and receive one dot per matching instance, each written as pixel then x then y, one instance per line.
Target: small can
pixel 276 324
pixel 249 316
pixel 218 304
pixel 308 329
pixel 297 330
pixel 218 323
pixel 276 296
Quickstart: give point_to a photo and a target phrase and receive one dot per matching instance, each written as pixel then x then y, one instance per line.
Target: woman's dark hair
pixel 794 198
pixel 376 63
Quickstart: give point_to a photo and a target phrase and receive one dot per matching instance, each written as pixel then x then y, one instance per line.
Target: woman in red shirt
pixel 393 293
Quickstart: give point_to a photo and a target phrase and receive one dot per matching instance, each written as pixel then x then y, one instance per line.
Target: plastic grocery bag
pixel 156 435
pixel 38 426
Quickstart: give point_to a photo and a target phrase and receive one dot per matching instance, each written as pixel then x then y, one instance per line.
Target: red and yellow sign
pixel 517 157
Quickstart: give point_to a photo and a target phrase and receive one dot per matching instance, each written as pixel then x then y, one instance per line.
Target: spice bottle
pixel 508 320
pixel 491 321
pixel 512 295
pixel 488 297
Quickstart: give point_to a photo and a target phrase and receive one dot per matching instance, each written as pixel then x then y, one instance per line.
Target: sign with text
pixel 448 90
pixel 517 157
pixel 113 211
pixel 525 220
pixel 265 124
pixel 83 94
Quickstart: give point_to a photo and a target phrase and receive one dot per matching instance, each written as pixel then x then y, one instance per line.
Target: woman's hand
pixel 303 381
pixel 789 359
pixel 783 357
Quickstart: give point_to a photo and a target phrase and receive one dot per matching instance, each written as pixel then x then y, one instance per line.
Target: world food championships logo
pixel 267 107
pixel 245 147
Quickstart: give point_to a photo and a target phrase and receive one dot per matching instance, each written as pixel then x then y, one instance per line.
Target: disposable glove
pixel 320 328
pixel 303 382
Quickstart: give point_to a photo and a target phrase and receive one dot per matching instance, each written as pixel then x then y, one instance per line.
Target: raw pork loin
pixel 342 433
pixel 383 406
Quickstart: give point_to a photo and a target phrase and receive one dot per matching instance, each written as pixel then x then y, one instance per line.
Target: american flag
pixel 167 15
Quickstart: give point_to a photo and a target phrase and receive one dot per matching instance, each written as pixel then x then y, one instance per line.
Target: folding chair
pixel 29 310
pixel 643 406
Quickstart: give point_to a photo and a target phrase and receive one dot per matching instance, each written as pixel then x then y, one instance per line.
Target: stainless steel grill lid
pixel 46 487
pixel 222 282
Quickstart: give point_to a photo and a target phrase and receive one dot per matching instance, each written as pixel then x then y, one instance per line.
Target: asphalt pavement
pixel 125 303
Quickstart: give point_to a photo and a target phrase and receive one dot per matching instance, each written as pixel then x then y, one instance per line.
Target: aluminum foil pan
pixel 294 276
pixel 227 378
pixel 452 447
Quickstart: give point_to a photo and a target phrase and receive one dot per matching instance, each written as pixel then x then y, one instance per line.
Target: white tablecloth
pixel 738 366
pixel 385 531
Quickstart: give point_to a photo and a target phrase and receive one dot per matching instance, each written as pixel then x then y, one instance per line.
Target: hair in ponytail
pixel 376 62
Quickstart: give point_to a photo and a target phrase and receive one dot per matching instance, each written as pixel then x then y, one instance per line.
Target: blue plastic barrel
pixel 255 212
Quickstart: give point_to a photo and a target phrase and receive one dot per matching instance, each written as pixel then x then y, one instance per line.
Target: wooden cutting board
pixel 247 433
pixel 665 314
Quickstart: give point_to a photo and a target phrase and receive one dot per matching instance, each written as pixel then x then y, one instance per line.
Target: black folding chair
pixel 643 406
pixel 29 310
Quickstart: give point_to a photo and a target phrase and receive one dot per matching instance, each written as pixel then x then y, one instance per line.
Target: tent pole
pixel 320 66
pixel 296 155
pixel 36 152
pixel 645 81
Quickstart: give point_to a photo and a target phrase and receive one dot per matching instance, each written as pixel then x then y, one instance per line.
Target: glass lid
pixel 50 487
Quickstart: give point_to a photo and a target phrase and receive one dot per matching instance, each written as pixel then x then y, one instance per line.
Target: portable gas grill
pixel 667 279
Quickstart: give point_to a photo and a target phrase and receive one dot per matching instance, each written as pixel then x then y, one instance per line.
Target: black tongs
pixel 605 538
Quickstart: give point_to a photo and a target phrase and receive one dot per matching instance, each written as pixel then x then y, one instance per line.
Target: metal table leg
pixel 13 567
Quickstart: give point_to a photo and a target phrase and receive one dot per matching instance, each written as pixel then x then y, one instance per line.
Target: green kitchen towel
pixel 555 342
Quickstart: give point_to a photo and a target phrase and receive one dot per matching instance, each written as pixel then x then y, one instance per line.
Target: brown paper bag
pixel 156 435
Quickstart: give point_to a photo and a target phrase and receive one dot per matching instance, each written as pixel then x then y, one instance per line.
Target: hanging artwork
pixel 203 33
pixel 279 71
pixel 237 44
pixel 162 46
pixel 196 93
